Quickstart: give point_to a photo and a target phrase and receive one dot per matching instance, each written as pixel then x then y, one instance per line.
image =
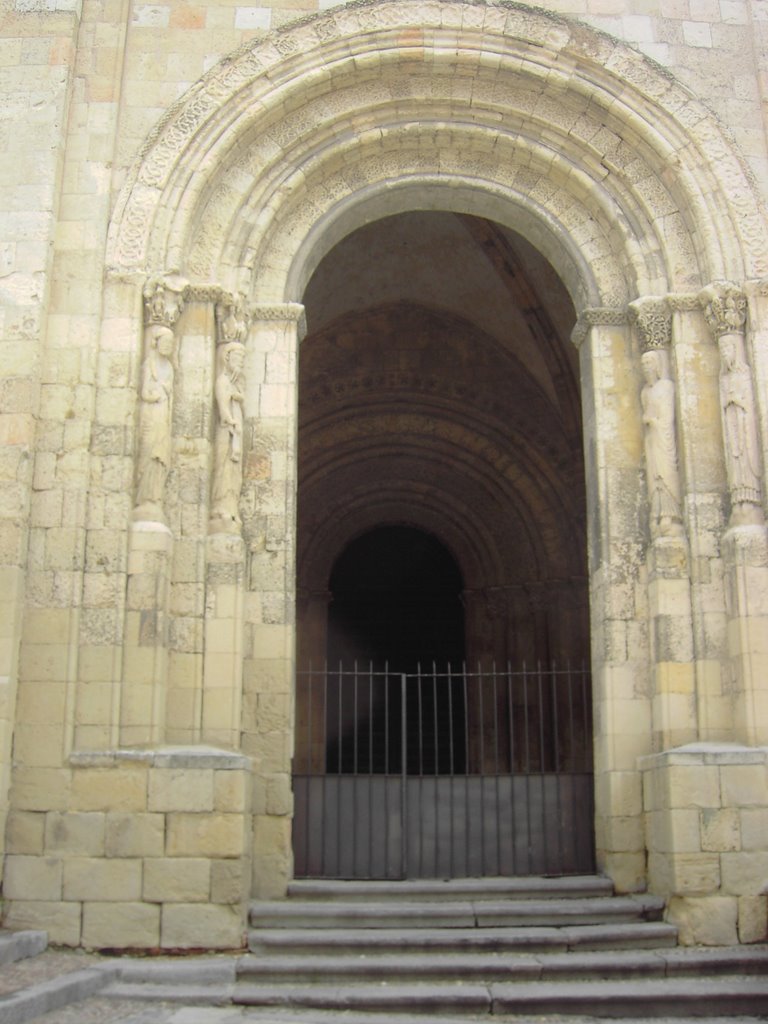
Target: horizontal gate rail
pixel 443 773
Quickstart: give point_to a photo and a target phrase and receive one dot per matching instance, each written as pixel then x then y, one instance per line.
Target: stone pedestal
pixel 152 852
pixel 706 814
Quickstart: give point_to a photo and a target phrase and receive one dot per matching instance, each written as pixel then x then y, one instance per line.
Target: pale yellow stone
pixel 709 921
pixel 205 835
pixel 753 918
pixel 745 873
pixel 41 789
pixel 744 785
pixel 60 920
pixel 202 926
pixel 720 830
pixel 121 788
pixel 230 881
pixel 695 786
pixel 32 878
pixel 75 833
pixel 97 879
pixel 231 791
pixel 121 926
pixel 184 789
pixel 134 835
pixel 24 832
pixel 177 880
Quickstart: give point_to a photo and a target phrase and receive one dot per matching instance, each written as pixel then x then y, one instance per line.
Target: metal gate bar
pixel 443 773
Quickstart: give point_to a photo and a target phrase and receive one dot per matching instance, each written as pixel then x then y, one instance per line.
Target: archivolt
pixel 614 170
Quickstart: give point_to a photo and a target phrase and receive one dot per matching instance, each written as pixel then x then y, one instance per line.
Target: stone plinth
pixel 155 853
pixel 706 813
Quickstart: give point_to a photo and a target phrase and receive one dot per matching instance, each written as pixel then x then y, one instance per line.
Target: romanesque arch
pixel 614 171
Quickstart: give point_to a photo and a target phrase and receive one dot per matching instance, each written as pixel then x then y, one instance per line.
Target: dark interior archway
pixel 441 519
pixel 396 601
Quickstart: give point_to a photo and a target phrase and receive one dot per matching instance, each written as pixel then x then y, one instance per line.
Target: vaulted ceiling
pixel 439 389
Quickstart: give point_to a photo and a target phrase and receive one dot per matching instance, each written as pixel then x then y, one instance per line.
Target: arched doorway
pixel 523 119
pixel 396 600
pixel 442 553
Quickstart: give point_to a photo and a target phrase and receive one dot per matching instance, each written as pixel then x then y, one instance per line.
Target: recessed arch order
pixel 614 170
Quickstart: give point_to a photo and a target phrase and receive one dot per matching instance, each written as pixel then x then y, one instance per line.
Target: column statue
pixel 658 403
pixel 156 394
pixel 653 319
pixel 228 444
pixel 725 308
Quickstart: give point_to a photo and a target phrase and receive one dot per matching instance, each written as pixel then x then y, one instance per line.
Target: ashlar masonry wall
pixel 142 629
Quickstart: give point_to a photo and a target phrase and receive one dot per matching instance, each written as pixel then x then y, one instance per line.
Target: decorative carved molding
pixel 653 319
pixel 288 312
pixel 597 316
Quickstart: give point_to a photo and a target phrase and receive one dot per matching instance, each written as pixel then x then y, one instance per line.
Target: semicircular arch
pixel 295 139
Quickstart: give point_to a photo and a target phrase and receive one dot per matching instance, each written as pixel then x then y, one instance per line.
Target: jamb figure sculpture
pixel 228 445
pixel 156 393
pixel 658 403
pixel 740 430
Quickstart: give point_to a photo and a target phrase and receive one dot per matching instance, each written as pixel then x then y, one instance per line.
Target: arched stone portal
pixel 627 186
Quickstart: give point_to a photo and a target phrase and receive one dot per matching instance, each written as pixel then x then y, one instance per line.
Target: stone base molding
pixel 706 814
pixel 150 850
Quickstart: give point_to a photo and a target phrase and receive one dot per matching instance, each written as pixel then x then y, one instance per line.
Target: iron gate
pixel 443 774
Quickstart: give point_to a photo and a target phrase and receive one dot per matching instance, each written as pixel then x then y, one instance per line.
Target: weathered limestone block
pixel 32 878
pixel 706 811
pixel 710 921
pixel 201 926
pixel 135 835
pixel 177 880
pixel 121 926
pixel 62 921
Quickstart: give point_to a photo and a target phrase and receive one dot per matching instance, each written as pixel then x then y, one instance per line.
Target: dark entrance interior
pixel 441 557
pixel 396 602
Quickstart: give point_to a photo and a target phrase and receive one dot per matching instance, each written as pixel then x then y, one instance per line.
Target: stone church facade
pixel 178 178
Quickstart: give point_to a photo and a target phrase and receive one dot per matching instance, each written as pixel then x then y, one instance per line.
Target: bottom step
pixel 732 997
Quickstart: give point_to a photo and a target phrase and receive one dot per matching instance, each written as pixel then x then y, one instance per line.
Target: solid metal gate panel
pixel 443 773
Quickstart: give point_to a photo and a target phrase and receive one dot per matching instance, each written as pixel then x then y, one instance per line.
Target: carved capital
pixel 287 312
pixel 653 319
pixel 597 316
pixel 725 308
pixel 231 320
pixel 164 300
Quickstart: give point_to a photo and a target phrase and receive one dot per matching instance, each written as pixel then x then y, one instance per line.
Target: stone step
pixel 455 914
pixel 489 967
pixel 20 945
pixel 638 935
pixel 728 997
pixel 461 889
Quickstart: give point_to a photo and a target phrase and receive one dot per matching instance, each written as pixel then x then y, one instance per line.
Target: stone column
pixel 615 489
pixel 745 542
pixel 268 509
pixel 695 368
pixel 150 545
pixel 225 548
pixel 669 595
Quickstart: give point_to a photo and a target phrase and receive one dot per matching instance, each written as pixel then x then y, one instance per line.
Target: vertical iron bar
pixel 496 759
pixel 451 766
pixel 404 778
pixel 542 763
pixel 325 766
pixel 527 738
pixel 421 766
pixel 512 808
pixel 466 767
pixel 574 766
pixel 309 766
pixel 436 768
pixel 556 730
pixel 370 768
pixel 339 775
pixel 481 779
